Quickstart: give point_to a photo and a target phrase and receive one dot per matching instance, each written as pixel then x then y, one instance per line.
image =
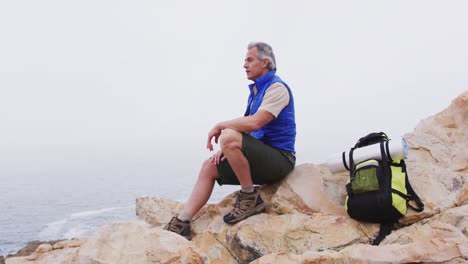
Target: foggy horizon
pixel 132 88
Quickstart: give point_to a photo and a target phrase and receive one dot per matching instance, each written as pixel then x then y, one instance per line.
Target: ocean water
pixel 58 207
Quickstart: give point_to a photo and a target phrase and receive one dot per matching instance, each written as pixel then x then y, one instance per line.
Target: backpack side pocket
pixel 369 194
pixel 366 177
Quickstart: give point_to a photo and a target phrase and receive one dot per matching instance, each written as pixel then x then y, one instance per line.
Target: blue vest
pixel 280 132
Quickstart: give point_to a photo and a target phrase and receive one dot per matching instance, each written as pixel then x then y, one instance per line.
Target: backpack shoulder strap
pixel 351 170
pixel 385 230
pixel 412 196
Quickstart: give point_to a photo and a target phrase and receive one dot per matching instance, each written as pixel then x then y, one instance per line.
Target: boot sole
pixel 257 210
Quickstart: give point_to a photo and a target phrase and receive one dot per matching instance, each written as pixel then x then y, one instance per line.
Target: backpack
pixel 378 190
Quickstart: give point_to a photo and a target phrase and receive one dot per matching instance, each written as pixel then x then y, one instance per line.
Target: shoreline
pixel 28 249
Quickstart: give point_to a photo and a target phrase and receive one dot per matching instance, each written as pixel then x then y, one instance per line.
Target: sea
pixel 59 207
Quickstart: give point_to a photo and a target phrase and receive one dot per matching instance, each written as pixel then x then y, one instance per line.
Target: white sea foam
pixel 76 232
pixel 83 223
pixel 52 229
pixel 85 214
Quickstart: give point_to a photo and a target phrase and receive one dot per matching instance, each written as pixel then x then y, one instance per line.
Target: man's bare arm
pixel 245 124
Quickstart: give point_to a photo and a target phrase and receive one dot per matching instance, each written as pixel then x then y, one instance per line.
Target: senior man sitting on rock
pixel 257 148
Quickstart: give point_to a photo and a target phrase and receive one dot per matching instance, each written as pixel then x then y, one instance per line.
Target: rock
pixel 304 221
pixel 61 256
pixel 157 211
pixel 298 233
pixel 138 242
pixel 31 247
pixel 433 250
pixel 431 240
pixel 68 243
pixel 439 240
pixel 323 257
pixel 455 225
pixel 462 197
pixel 295 195
pixel 34 250
pixel 43 248
pixel 215 248
pixel 438 159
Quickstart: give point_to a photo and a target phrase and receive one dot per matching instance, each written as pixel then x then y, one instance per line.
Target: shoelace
pixel 237 209
pixel 172 226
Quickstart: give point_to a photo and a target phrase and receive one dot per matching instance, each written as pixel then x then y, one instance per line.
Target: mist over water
pixel 51 208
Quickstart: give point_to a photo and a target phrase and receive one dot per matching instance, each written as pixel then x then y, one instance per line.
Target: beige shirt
pixel 275 99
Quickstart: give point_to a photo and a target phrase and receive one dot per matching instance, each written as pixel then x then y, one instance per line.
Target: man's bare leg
pixel 200 194
pixel 203 188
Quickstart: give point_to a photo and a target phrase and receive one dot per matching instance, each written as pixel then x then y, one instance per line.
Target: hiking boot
pixel 179 227
pixel 247 204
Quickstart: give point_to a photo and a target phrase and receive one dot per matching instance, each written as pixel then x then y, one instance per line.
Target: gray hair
pixel 264 51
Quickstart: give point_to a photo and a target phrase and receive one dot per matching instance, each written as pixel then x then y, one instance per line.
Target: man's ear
pixel 265 62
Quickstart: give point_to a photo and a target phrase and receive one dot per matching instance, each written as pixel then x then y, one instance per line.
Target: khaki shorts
pixel 267 164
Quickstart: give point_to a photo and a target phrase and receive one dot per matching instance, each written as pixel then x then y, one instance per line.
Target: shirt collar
pixel 260 82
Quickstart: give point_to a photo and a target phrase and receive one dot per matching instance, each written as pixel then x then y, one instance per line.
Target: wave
pixel 85 223
pixel 96 212
pixel 52 229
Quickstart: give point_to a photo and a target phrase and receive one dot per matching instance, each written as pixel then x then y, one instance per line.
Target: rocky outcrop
pixel 61 252
pixel 304 221
pixel 138 242
pixel 441 239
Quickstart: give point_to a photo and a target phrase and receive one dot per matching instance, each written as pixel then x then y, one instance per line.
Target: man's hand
pixel 214 133
pixel 217 158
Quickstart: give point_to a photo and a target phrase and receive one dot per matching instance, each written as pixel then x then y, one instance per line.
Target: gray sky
pixel 133 87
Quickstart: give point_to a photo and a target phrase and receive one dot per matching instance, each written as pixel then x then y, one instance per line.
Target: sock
pixel 247 189
pixel 185 217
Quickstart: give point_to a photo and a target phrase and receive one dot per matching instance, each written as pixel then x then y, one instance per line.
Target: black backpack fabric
pixel 379 190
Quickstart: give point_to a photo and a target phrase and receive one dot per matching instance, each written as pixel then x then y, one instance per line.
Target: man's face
pixel 254 67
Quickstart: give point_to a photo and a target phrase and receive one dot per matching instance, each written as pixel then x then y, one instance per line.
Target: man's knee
pixel 230 139
pixel 209 170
